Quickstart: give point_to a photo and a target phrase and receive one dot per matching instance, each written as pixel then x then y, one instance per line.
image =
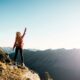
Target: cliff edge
pixel 11 72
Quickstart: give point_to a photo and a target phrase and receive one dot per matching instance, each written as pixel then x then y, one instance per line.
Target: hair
pixel 18 34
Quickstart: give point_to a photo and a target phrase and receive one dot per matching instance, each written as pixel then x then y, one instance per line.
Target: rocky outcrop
pixel 11 72
pixel 4 57
pixel 47 76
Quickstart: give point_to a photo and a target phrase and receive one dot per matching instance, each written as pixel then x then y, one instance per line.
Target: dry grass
pixel 8 72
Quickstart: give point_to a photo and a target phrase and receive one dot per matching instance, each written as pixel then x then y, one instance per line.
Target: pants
pixel 16 53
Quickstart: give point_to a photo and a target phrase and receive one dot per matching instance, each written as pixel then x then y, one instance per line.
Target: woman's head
pixel 18 34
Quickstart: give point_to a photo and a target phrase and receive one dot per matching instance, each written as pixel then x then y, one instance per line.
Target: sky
pixel 50 23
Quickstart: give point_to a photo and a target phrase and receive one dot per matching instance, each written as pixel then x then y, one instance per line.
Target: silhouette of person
pixel 18 45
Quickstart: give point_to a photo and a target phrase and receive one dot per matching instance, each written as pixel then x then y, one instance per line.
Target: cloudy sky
pixel 50 23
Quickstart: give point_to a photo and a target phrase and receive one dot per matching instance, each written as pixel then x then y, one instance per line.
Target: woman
pixel 18 45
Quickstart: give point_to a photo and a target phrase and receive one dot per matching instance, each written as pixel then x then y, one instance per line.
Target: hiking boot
pixel 23 66
pixel 15 63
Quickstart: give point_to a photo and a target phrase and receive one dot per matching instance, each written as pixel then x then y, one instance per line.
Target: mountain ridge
pixel 62 64
pixel 8 71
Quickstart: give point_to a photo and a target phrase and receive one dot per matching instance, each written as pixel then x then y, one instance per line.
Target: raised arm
pixel 24 33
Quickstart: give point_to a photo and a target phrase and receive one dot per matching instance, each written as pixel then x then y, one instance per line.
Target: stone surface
pixel 10 72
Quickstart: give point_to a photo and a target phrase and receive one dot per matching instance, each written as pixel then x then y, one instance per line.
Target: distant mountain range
pixel 8 50
pixel 61 64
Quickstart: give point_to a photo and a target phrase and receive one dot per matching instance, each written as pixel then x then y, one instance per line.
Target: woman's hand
pixel 24 32
pixel 25 29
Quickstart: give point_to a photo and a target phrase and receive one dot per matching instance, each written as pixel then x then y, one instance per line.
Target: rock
pixel 10 72
pixel 47 76
pixel 15 73
pixel 4 57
